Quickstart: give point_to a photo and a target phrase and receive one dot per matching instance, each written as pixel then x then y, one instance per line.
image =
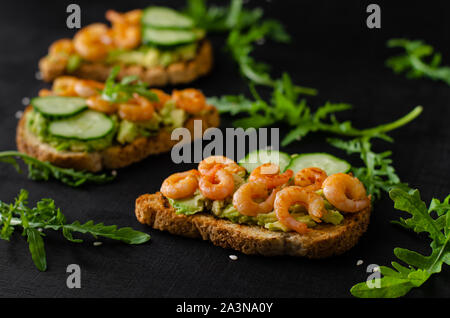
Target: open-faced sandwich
pixel 159 45
pixel 89 125
pixel 312 208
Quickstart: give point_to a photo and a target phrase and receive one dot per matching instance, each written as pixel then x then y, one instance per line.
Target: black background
pixel 333 51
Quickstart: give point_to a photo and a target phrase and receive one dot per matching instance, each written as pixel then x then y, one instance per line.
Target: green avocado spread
pixel 225 210
pixel 148 56
pixel 169 117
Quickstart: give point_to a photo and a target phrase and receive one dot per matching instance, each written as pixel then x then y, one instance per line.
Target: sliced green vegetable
pixel 330 164
pixel 159 37
pixel 165 18
pixel 85 126
pixel 59 106
pixel 258 157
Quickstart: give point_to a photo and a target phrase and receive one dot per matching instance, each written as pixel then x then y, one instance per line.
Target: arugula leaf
pixel 125 89
pixel 400 280
pixel 222 19
pixel 378 174
pixel 42 170
pixel 46 216
pixel 419 60
pixel 285 108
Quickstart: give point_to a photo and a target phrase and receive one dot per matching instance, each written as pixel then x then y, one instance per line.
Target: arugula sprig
pixel 245 28
pixel 419 60
pixel 435 221
pixel 222 19
pixel 43 171
pixel 286 108
pixel 120 92
pixel 45 216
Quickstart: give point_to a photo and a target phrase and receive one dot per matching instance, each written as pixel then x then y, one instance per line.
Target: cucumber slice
pixel 170 37
pixel 258 157
pixel 330 164
pixel 59 105
pixel 165 18
pixel 85 126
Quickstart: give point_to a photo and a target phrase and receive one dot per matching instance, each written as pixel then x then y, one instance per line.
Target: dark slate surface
pixel 332 51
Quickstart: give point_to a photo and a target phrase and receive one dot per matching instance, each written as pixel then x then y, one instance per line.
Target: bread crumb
pixel 97 243
pixel 233 257
pixel 360 262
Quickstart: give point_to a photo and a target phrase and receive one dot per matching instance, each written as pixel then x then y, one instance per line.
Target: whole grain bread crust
pixel 113 157
pixel 176 73
pixel 324 240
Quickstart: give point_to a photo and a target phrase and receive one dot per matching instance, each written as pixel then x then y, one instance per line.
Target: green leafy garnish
pixel 124 90
pixel 222 19
pixel 43 171
pixel 377 174
pixel 286 109
pixel 245 29
pixel 45 216
pixel 435 221
pixel 419 60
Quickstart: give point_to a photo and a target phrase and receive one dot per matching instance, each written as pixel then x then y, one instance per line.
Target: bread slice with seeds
pixel 322 241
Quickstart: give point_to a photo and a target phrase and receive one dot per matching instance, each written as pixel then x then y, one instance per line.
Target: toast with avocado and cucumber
pixel 241 221
pixel 159 45
pixel 109 126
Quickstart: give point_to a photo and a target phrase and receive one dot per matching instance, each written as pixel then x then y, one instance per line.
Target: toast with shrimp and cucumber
pixel 89 125
pixel 269 203
pixel 159 45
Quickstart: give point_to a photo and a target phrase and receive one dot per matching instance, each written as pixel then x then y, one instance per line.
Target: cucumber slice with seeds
pixel 165 18
pixel 59 106
pixel 85 126
pixel 160 37
pixel 258 157
pixel 330 164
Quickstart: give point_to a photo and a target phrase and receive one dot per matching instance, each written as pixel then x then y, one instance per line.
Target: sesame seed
pixel 97 243
pixel 233 257
pixel 114 172
pixel 359 262
pixel 18 114
pixel 38 75
pixel 25 101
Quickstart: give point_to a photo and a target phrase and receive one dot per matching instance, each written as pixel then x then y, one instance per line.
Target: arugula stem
pixel 393 125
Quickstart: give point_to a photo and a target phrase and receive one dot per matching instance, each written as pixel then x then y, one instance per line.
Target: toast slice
pixel 174 74
pixel 113 157
pixel 324 240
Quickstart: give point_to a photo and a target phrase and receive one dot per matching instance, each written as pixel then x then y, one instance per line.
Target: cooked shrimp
pixel 180 185
pixel 61 47
pixel 345 192
pixel 45 92
pixel 93 42
pixel 269 173
pixel 126 28
pixel 162 98
pixel 136 109
pixel 244 199
pixel 296 195
pixel 72 86
pixel 190 99
pixel 207 165
pixel 310 179
pixel 217 186
pixel 98 104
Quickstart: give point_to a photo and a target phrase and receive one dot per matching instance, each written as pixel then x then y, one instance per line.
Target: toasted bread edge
pixel 323 241
pixel 177 73
pixel 111 158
